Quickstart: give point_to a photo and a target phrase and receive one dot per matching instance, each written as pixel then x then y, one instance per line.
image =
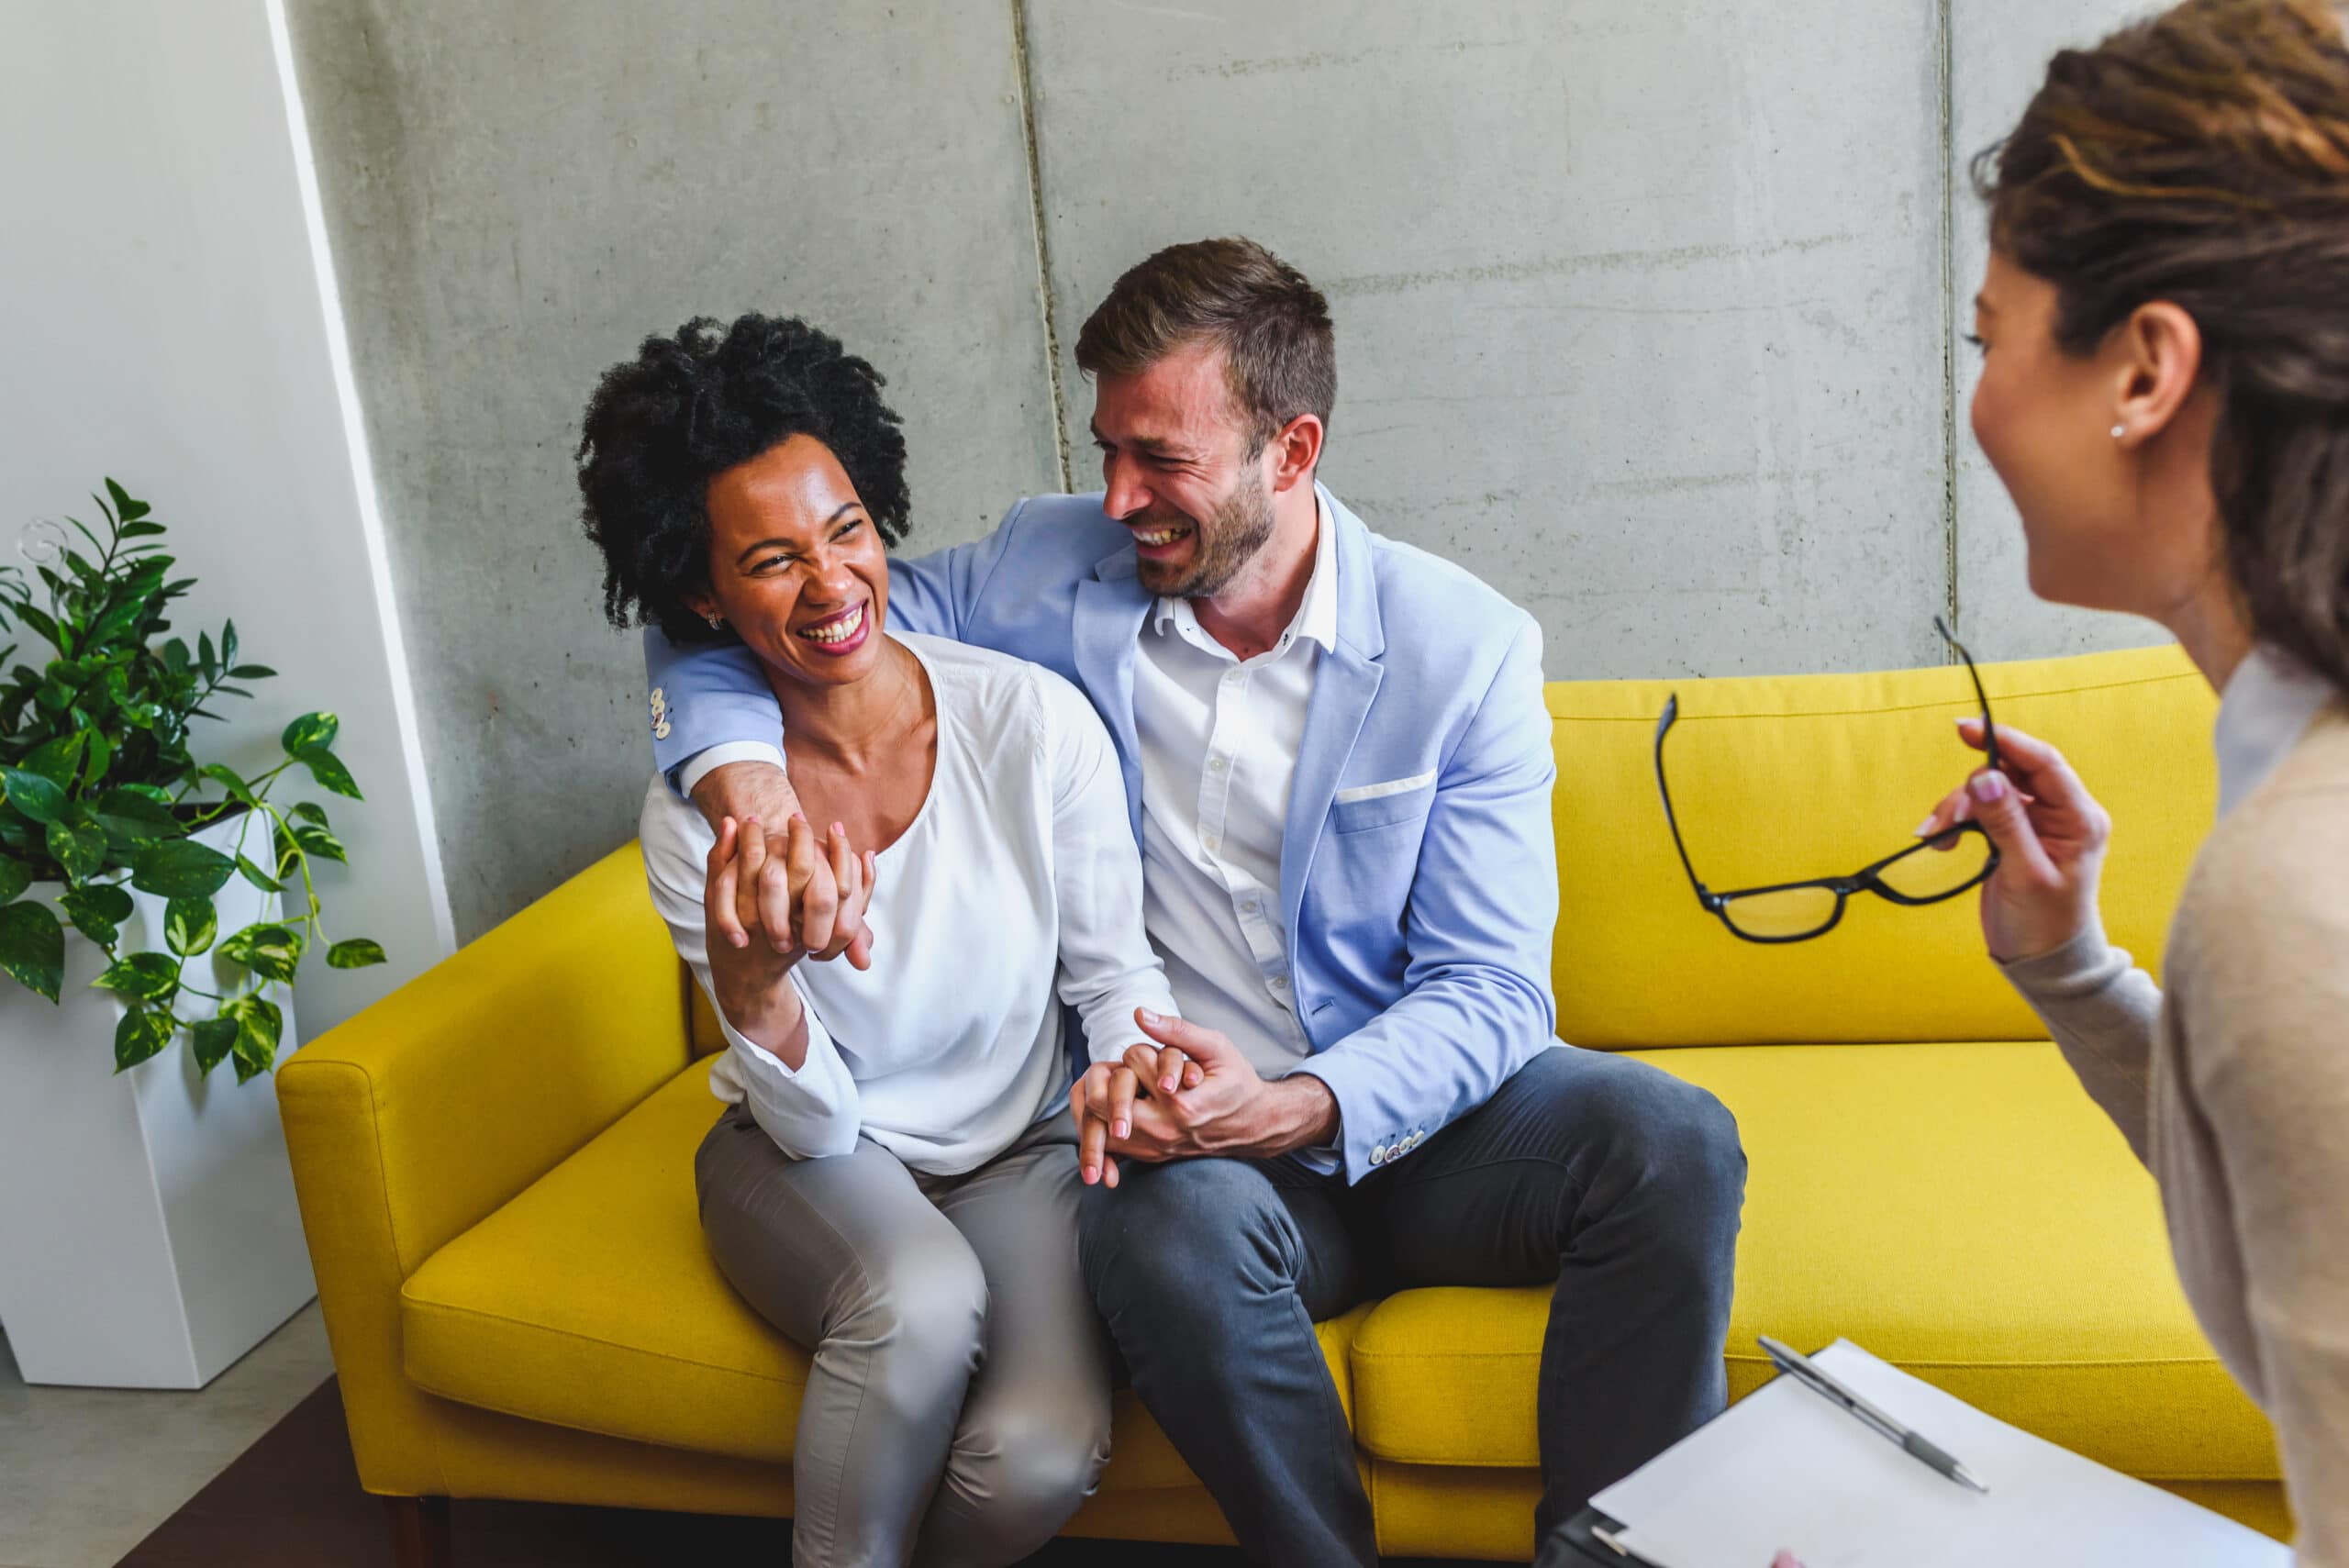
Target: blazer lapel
pixel 1109 609
pixel 1344 689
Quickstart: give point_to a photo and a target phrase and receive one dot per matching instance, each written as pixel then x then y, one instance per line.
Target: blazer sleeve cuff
pixel 701 764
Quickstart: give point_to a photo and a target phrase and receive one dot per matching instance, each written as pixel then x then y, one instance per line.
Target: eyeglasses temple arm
pixel 1670 818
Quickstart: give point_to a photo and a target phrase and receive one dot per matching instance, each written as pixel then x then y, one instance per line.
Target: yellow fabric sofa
pixel 495 1163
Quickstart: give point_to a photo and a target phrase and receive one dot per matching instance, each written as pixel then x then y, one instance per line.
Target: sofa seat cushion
pixel 1962 1210
pixel 590 1301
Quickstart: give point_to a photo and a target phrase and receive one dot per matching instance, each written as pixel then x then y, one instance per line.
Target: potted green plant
pixel 144 898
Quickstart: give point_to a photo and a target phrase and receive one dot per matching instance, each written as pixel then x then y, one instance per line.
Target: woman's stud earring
pixel 717 620
pixel 2118 431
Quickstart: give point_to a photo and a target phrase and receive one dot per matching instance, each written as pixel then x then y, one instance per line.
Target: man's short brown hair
pixel 1279 351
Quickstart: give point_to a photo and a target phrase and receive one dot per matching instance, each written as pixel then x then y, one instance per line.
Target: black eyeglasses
pixel 1940 868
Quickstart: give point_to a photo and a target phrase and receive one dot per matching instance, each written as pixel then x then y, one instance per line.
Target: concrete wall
pixel 2004 48
pixel 170 323
pixel 1645 311
pixel 519 193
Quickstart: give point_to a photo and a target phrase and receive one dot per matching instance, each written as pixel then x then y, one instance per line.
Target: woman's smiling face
pixel 796 566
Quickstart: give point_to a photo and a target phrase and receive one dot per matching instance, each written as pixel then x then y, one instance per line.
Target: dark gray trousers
pixel 958 1410
pixel 1616 1183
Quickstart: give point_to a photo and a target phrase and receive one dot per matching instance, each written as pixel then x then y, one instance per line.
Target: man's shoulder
pixel 1439 606
pixel 1071 532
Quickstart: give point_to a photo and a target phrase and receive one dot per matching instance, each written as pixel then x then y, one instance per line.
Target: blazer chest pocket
pixel 1364 807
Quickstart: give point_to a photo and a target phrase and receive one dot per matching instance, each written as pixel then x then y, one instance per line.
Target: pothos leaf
pixel 32 947
pixel 142 1032
pixel 189 926
pixel 355 952
pixel 213 1040
pixel 148 976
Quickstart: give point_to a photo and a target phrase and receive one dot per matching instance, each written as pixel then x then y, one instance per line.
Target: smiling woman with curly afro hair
pixel 744 483
pixel 692 406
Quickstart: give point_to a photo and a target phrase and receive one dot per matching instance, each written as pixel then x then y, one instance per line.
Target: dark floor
pixel 293 1501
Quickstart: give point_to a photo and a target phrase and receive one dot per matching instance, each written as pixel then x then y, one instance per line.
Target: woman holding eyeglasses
pixel 2165 391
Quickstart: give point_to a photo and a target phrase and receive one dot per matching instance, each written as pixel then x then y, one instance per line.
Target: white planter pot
pixel 148 1231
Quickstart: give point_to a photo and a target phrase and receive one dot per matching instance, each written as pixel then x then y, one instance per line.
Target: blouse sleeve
pixel 1107 965
pixel 811 1112
pixel 2101 1009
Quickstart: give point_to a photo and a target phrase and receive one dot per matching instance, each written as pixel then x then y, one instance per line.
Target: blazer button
pixel 1378 1155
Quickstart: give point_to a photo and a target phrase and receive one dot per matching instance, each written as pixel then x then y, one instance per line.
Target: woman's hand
pixel 759 792
pixel 2051 835
pixel 748 870
pixel 1103 1101
pixel 796 894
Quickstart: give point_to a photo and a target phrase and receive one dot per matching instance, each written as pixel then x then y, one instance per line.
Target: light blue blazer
pixel 1419 874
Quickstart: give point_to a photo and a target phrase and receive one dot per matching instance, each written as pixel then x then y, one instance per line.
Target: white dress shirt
pixel 1219 737
pixel 1016 887
pixel 2266 707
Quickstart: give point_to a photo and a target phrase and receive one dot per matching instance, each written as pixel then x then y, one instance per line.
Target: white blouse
pixel 1017 887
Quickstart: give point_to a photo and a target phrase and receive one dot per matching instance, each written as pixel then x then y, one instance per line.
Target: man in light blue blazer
pixel 1338 764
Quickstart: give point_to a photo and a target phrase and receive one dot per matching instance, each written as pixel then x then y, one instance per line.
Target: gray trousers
pixel 958 1410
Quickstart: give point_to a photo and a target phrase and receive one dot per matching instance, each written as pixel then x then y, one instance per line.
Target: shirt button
pixel 1217 765
pixel 1208 844
pixel 1280 982
pixel 1378 1155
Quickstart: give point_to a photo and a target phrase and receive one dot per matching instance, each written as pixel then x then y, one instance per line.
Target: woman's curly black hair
pixel 688 408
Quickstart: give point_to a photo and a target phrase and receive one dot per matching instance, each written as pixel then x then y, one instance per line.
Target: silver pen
pixel 1797 1366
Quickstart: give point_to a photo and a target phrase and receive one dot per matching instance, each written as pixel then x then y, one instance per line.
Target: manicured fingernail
pixel 1092 1174
pixel 1150 1017
pixel 1117 1128
pixel 839 830
pixel 799 817
pixel 739 939
pixel 1923 827
pixel 1989 787
pixel 1166 1085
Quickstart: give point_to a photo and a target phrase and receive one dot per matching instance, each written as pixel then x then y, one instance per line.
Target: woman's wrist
pixel 768 1013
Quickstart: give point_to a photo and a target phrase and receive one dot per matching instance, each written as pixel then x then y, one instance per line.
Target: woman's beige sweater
pixel 2233 1088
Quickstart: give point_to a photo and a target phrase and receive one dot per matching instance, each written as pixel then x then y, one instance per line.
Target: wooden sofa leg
pixel 419 1531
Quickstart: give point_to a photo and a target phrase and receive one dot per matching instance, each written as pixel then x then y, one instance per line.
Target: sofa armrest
pixel 413 1121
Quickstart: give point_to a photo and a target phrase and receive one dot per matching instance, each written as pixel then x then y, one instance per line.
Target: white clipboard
pixel 1786 1469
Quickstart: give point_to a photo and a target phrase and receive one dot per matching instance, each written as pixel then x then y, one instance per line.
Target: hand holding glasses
pixel 1798 911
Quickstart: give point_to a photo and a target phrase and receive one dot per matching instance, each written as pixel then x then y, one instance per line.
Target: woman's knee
pixel 920 1313
pixel 1028 1469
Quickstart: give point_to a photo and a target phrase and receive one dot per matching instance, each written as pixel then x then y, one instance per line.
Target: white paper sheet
pixel 1786 1469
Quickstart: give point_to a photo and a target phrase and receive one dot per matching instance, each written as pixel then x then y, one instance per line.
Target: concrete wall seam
pixel 1043 244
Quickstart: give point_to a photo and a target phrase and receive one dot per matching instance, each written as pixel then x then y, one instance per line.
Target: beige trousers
pixel 958 1410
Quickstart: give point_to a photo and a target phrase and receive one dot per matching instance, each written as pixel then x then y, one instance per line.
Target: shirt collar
pixel 1317 616
pixel 2267 706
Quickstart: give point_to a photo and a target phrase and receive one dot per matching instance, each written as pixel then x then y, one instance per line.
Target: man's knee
pixel 1660 1136
pixel 1165 1231
pixel 1685 1158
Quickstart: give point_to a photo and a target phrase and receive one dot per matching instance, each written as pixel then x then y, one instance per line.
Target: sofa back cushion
pixel 1782 779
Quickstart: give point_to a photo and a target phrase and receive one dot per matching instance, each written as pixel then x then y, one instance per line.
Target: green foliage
pixel 99 791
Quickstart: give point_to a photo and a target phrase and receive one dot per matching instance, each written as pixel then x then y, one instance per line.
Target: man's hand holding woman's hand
pixel 1102 1101
pixel 2051 835
pixel 795 904
pixel 771 899
pixel 1222 1106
